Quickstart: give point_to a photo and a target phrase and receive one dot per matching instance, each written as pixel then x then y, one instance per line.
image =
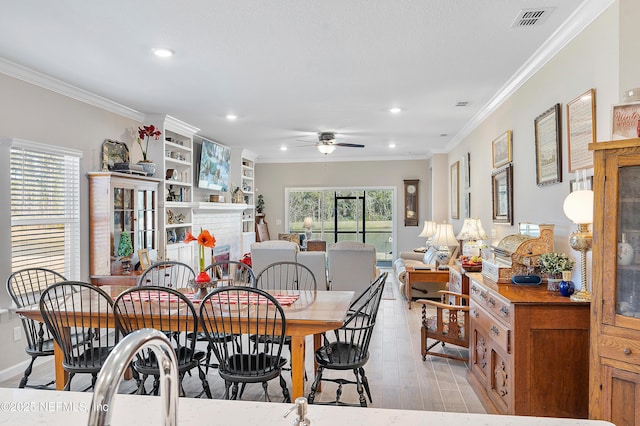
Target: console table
pixel 424 276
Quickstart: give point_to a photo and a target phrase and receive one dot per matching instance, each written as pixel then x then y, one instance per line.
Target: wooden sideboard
pixel 529 350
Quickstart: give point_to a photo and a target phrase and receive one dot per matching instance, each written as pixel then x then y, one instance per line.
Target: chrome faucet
pixel 115 366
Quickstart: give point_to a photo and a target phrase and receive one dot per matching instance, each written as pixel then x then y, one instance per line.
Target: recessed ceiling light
pixel 163 52
pixel 392 145
pixel 283 148
pixel 442 135
pixel 462 103
pixel 395 110
pixel 231 116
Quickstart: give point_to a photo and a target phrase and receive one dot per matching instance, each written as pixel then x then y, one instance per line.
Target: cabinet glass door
pixel 146 223
pixel 628 247
pixel 123 215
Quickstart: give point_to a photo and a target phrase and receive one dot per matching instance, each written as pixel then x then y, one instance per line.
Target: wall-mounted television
pixel 214 166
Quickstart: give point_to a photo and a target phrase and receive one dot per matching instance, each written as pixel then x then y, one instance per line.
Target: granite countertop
pixel 43 407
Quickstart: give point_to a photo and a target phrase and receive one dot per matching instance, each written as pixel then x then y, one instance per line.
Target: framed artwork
pixel 113 152
pixel 581 130
pixel 501 150
pixel 574 184
pixel 145 260
pixel 626 121
pixel 548 147
pixel 502 195
pixel 465 164
pixel 455 190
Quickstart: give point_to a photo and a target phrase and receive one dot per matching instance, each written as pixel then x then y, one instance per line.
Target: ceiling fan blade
pixel 348 145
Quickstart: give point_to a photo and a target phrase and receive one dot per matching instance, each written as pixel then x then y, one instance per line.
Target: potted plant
pixel 145 133
pixel 125 250
pixel 553 264
pixel 260 204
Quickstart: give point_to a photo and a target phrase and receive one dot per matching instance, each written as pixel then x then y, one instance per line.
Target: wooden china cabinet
pixel 120 203
pixel 614 388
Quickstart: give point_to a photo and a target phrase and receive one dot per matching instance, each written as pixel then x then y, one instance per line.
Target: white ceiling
pixel 291 68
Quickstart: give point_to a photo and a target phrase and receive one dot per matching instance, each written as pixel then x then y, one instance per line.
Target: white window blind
pixel 45 208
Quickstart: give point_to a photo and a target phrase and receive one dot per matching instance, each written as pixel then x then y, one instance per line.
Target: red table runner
pixel 253 299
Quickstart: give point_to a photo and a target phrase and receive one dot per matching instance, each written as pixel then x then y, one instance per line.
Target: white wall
pixel 273 178
pixel 588 61
pixel 35 114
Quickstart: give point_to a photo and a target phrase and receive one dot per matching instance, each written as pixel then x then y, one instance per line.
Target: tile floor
pixel 397 375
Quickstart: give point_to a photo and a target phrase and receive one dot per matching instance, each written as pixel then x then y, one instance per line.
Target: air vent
pixel 531 17
pixel 443 135
pixel 462 103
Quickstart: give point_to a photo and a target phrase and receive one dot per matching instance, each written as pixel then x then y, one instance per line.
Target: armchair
pixel 449 325
pixel 265 253
pixel 352 265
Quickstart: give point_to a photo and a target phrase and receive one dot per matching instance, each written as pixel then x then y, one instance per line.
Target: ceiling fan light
pixel 326 149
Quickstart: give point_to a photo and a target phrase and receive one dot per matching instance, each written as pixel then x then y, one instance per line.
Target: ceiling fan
pixel 327 143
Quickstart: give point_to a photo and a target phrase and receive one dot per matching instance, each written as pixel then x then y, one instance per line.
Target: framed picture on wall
pixel 626 121
pixel 455 190
pixel 501 150
pixel 502 195
pixel 548 147
pixel 581 130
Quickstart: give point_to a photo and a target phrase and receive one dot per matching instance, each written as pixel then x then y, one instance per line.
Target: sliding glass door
pixel 364 215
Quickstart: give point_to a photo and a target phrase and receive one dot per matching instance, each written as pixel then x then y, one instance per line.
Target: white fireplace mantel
pixel 204 207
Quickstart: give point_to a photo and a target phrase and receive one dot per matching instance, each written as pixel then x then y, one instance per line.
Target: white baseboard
pixel 17 370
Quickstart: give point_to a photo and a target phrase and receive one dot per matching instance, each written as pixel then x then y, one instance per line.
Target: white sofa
pixel 351 265
pixel 428 258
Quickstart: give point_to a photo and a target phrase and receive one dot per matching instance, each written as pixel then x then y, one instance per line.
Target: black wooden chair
pixel 61 305
pixel 231 273
pixel 226 273
pixel 170 273
pixel 244 312
pixel 286 276
pixel 25 287
pixel 168 311
pixel 348 348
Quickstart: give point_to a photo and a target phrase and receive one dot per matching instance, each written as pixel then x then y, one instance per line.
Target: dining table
pixel 312 313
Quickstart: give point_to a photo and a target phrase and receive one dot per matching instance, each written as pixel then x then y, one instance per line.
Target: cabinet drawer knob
pixel 495 330
pixel 504 310
pixel 474 313
pixel 492 301
pixel 627 351
pixel 474 289
pixel 483 295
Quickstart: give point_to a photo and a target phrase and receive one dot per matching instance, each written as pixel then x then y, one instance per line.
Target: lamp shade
pixel 444 236
pixel 428 230
pixel 578 206
pixel 472 230
pixel 326 148
pixel 308 222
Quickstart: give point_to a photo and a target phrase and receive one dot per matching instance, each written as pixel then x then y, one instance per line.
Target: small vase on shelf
pixel 552 283
pixel 625 251
pixel 566 286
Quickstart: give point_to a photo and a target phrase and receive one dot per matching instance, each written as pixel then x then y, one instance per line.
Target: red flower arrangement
pixel 147 132
pixel 204 239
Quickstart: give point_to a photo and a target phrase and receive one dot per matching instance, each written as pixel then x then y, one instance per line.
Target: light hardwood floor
pixel 397 375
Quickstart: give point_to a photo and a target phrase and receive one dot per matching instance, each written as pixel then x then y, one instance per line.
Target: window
pixel 344 214
pixel 45 208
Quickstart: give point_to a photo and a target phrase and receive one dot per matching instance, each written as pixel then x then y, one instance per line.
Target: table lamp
pixel 308 225
pixel 427 232
pixel 578 206
pixel 471 232
pixel 443 239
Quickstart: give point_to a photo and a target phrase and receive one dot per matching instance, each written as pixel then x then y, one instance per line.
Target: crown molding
pixel 574 25
pixel 58 86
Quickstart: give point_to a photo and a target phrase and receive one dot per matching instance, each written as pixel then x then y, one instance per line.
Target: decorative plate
pixel 114 152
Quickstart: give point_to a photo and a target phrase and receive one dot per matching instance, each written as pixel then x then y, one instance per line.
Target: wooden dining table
pixel 313 313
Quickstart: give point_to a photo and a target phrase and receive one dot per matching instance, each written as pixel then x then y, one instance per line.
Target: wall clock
pixel 411 202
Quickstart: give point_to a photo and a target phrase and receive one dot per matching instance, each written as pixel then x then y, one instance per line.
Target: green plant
pixel 554 263
pixel 260 204
pixel 125 248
